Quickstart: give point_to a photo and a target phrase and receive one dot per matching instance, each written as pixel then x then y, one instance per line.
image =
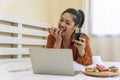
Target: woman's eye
pixel 68 23
pixel 61 20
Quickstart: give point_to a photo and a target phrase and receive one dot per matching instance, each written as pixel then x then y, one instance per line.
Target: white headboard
pixel 17 35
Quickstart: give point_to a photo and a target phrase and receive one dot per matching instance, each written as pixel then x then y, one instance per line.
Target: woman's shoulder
pixel 86 37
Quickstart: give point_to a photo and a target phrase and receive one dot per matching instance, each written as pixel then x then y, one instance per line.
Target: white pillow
pixel 96 60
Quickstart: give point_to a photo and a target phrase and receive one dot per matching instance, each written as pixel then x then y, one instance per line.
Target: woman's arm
pixel 85 55
pixel 87 58
pixel 50 41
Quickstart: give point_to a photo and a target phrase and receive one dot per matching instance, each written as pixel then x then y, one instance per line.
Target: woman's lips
pixel 62 29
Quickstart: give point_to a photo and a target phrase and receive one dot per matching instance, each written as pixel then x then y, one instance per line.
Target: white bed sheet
pixel 23 71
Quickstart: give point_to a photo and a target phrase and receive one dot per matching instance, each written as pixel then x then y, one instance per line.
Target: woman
pixel 64 36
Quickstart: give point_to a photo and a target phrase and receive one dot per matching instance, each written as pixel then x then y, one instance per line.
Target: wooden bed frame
pixel 18 35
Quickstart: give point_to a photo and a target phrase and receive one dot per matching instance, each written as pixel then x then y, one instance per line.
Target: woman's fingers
pixel 52 30
pixel 82 40
pixel 80 43
pixel 56 32
pixel 59 33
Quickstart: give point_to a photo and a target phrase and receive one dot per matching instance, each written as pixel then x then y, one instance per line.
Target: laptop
pixel 52 61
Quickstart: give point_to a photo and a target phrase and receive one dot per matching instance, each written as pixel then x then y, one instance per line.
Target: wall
pixel 36 10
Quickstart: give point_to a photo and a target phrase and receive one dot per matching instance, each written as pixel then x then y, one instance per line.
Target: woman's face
pixel 66 24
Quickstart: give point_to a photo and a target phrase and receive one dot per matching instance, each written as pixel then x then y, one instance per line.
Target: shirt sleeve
pixel 50 41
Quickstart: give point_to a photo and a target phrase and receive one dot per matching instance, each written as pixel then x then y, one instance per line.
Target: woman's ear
pixel 76 26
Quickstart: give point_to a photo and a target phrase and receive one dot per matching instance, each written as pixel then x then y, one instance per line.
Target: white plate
pixel 102 74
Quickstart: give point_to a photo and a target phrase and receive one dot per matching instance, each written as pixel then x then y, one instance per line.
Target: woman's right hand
pixel 56 32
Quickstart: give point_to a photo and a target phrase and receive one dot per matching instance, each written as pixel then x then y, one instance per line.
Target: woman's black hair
pixel 78 16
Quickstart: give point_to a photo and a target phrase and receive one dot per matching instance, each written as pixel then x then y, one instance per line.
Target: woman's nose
pixel 62 24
